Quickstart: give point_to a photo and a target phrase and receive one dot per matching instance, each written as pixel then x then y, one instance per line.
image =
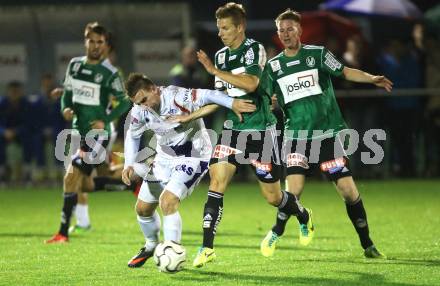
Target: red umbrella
pixel 322 26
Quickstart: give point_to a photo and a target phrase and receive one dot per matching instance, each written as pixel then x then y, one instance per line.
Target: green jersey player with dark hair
pixel 238 67
pixel 89 84
pixel 300 77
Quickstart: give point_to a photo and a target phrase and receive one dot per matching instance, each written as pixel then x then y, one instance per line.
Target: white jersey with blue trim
pixel 174 139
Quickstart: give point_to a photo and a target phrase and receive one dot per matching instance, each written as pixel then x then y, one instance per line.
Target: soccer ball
pixel 169 256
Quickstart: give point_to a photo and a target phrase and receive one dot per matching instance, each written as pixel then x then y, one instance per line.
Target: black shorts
pixel 89 156
pixel 305 156
pixel 259 149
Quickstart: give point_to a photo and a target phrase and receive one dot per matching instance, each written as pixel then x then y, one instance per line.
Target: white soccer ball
pixel 169 256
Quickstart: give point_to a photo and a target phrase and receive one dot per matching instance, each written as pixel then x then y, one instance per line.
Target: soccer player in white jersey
pixel 183 153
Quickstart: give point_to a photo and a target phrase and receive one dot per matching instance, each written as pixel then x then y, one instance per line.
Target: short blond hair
pixel 234 11
pixel 288 15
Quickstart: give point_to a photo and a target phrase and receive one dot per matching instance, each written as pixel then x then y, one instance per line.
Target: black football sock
pixel 280 224
pixel 289 206
pixel 70 201
pixel 212 214
pixel 358 217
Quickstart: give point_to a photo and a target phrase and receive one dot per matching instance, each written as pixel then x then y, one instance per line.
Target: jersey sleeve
pixel 118 91
pixel 66 98
pixel 137 122
pixel 254 59
pixel 330 64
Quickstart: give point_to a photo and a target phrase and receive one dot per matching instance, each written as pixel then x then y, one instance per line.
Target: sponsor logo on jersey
pixel 221 151
pixel 231 89
pixel 293 63
pixel 333 166
pixel 233 57
pixel 297 160
pixel 310 61
pixel 275 65
pixel 221 58
pixel 299 85
pixel 249 57
pixel 98 78
pixel 86 71
pixel 332 62
pixel 85 92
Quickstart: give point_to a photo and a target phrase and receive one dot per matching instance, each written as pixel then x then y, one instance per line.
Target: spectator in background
pixel 21 122
pixel 55 122
pixel 401 64
pixel 11 123
pixel 33 136
pixel 361 112
pixel 189 73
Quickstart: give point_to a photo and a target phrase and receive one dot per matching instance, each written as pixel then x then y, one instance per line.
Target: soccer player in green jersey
pixel 300 77
pixel 238 67
pixel 89 84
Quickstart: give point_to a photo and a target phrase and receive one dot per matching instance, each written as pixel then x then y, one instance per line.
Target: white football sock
pixel 150 227
pixel 172 227
pixel 82 215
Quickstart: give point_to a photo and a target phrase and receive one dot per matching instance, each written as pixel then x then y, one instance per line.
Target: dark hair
pixel 95 27
pixel 288 15
pixel 136 82
pixel 234 11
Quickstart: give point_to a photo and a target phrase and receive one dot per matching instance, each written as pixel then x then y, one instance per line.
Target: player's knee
pixel 273 199
pixel 144 209
pixel 71 179
pixel 88 184
pixel 348 191
pixel 168 203
pixel 217 185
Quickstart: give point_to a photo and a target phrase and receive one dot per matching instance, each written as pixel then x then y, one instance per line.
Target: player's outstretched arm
pixel 199 113
pixel 361 76
pixel 244 81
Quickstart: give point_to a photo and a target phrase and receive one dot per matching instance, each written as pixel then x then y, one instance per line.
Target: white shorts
pixel 179 176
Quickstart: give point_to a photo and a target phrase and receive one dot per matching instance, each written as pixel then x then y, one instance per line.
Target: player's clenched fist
pixel 127 173
pixel 68 114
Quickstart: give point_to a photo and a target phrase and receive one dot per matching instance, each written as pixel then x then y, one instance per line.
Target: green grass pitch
pixel 404 218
